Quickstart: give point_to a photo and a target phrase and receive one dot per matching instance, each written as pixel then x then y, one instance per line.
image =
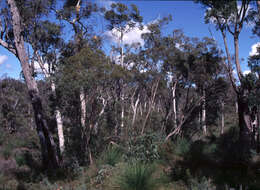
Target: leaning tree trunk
pixel 48 147
pixel 56 109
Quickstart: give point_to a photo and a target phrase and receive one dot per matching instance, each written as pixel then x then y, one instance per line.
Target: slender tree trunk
pixel 222 117
pixel 134 107
pixel 258 6
pixel 58 121
pixel 174 104
pixel 236 44
pixel 257 129
pixel 122 118
pixel 242 101
pixel 121 49
pixel 83 108
pixel 57 111
pixel 151 105
pixel 49 154
pixel 203 118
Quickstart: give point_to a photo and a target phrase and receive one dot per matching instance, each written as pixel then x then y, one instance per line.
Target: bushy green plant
pixel 20 159
pixel 182 146
pixel 2 137
pixel 111 156
pixel 144 148
pixel 7 150
pixel 199 184
pixel 137 176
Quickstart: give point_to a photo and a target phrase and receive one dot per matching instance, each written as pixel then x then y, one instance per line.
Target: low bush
pixel 181 146
pixel 7 151
pixel 111 156
pixel 137 176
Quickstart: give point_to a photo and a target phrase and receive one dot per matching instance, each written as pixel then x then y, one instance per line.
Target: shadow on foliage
pixel 219 159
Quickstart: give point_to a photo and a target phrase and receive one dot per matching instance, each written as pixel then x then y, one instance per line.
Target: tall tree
pixel 122 20
pixel 13 29
pixel 229 16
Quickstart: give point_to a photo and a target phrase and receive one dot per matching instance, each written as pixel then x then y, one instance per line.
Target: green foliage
pixel 137 176
pixel 20 159
pixel 199 184
pixel 120 16
pixel 144 148
pixel 7 150
pixel 111 156
pixel 181 146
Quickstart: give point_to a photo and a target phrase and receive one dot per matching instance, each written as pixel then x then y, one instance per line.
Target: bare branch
pixel 8 47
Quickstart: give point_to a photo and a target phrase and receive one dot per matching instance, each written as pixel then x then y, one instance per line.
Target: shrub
pixel 7 150
pixel 144 148
pixel 137 176
pixel 20 159
pixel 181 147
pixel 111 156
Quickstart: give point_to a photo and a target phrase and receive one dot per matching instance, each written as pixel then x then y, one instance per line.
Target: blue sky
pixel 186 15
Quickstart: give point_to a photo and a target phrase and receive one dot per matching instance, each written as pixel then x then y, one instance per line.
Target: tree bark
pixel 258 7
pixel 222 117
pixel 49 154
pixel 83 108
pixel 174 104
pixel 57 111
pixel 59 122
pixel 244 120
pixel 203 118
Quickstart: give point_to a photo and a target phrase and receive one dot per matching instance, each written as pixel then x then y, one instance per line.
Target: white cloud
pixel 38 69
pixel 254 49
pixel 246 72
pixel 133 36
pixel 3 58
pixel 105 3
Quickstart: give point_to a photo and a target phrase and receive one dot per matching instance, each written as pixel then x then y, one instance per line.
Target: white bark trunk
pixel 174 105
pixel 122 118
pixel 59 122
pixel 57 111
pixel 204 126
pixel 121 49
pixel 134 107
pixel 83 107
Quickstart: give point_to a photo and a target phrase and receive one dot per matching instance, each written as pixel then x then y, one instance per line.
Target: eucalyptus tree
pixel 75 14
pixel 205 68
pixel 84 69
pixel 122 20
pixel 14 19
pixel 252 81
pixel 45 40
pixel 230 16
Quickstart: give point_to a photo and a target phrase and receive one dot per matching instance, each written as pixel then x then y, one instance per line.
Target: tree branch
pixel 8 47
